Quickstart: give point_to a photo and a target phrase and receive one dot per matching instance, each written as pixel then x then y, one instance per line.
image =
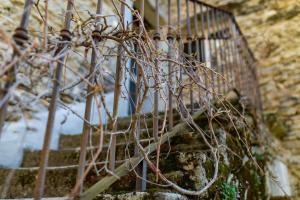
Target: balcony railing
pixel 197 57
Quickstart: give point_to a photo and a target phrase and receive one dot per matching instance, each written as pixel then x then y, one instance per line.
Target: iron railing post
pixel 238 62
pixel 180 45
pixel 216 64
pixel 243 67
pixel 141 169
pixel 65 39
pixel 89 99
pixel 222 50
pixel 196 31
pixel 156 38
pixel 197 40
pixel 250 74
pixel 117 91
pixel 236 58
pixel 20 37
pixel 170 38
pixel 189 40
pixel 250 55
pixel 231 54
pixel 202 42
pixel 228 66
pixel 212 84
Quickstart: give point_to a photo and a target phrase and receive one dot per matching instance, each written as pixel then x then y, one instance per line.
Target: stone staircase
pixel 184 160
pixel 63 163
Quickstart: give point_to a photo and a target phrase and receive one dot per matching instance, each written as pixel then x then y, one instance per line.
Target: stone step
pixel 69 151
pixel 73 141
pixel 146 120
pixel 59 182
pixel 69 148
pixel 71 156
pixel 61 176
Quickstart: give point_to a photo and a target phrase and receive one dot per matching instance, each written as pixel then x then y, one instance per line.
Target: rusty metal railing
pixel 219 43
pixel 203 33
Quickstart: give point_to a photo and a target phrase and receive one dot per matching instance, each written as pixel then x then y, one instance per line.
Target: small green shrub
pixel 228 191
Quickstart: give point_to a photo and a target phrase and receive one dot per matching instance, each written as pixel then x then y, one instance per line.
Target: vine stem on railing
pixel 117 92
pixel 141 168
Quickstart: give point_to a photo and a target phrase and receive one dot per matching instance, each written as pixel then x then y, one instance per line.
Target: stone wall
pixel 273 31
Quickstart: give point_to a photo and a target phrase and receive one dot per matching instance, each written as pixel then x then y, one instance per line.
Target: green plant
pixel 228 191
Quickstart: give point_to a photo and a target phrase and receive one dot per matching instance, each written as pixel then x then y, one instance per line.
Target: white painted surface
pixel 207 53
pixel 29 134
pixel 280 186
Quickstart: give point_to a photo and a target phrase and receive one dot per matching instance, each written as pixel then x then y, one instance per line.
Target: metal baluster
pixel 170 38
pixel 216 53
pixel 244 74
pixel 232 60
pixel 65 39
pixel 226 53
pixel 117 91
pixel 250 57
pixel 243 66
pixel 210 49
pixel 89 99
pixel 223 50
pixel 236 57
pixel 156 39
pixel 228 44
pixel 236 52
pixel 197 40
pixel 20 37
pixel 141 169
pixel 196 31
pixel 179 42
pixel 189 40
pixel 202 40
pixel 241 42
pixel 250 72
pixel 132 96
pixel 247 68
